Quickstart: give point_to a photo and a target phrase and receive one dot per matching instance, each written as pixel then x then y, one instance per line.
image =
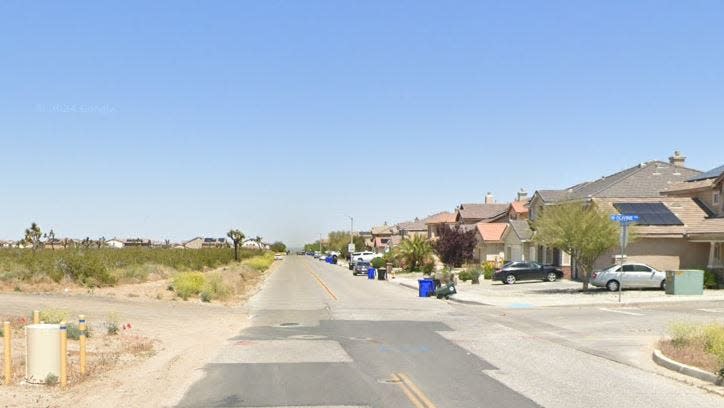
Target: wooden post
pixel 7 337
pixel 82 328
pixel 36 316
pixel 63 354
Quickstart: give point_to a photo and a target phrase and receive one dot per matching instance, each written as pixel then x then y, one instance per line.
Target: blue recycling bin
pixel 371 273
pixel 427 287
pixel 328 259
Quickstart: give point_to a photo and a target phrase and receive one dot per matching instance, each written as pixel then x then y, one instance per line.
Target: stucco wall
pixel 661 253
pixel 488 252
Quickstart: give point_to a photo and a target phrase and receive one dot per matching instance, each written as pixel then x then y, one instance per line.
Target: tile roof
pixel 491 231
pixel 687 186
pixel 685 209
pixel 713 173
pixel 643 180
pixel 444 217
pixel 710 226
pixel 416 225
pixel 520 207
pixel 383 229
pixel 521 229
pixel 482 211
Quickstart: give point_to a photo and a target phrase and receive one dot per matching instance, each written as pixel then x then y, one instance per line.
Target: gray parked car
pixel 634 275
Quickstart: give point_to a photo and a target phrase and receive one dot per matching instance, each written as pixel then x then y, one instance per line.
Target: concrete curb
pixel 467 302
pixel 660 359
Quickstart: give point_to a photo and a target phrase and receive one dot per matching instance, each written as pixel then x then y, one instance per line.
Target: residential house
pixel 518 241
pixel 661 245
pixel 489 211
pixel 384 237
pixel 137 242
pixel 409 229
pixel 707 190
pixel 490 245
pixel 254 244
pixel 367 236
pixel 114 243
pixel 437 222
pixel 518 209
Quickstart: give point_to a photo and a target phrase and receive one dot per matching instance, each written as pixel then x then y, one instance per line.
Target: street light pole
pixel 351 229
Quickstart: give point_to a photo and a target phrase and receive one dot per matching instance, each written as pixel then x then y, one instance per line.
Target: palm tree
pixel 236 237
pixel 415 251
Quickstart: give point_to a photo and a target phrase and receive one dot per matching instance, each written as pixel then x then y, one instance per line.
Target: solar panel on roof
pixel 649 213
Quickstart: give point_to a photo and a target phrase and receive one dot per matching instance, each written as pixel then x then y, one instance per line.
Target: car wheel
pixel 663 284
pixel 551 277
pixel 510 279
pixel 612 285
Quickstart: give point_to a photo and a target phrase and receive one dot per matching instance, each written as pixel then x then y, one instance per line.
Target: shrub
pixel 711 281
pixel 73 331
pixel 112 323
pixel 260 262
pixel 186 284
pixel 378 263
pixel 465 276
pixel 215 288
pixel 51 379
pixel 428 267
pixel 54 316
pixel 488 270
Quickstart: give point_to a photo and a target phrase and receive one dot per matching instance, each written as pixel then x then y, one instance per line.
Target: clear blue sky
pixel 177 119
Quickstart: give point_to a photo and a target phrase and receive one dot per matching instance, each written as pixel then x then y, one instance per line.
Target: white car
pixel 634 275
pixel 366 256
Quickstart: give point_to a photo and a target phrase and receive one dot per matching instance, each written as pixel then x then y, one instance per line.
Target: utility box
pixel 43 352
pixel 685 282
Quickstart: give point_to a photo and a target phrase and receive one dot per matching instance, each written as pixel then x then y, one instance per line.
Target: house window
pixel 716 198
pixel 717 252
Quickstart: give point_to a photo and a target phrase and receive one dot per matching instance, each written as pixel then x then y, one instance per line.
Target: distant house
pixel 489 211
pixel 205 242
pixel 636 190
pixel 253 244
pixel 410 229
pixel 437 222
pixel 517 240
pixel 115 243
pixel 518 209
pixel 385 237
pixel 137 242
pixel 490 245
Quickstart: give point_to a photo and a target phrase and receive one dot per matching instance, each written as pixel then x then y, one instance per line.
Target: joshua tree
pixel 258 241
pixel 33 236
pixel 50 237
pixel 236 237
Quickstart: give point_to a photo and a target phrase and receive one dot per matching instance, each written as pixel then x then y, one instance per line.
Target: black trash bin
pixel 382 274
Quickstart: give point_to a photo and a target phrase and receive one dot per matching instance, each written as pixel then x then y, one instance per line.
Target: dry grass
pixel 699 345
pixel 693 354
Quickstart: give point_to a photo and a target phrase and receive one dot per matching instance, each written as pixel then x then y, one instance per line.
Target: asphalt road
pixel 322 338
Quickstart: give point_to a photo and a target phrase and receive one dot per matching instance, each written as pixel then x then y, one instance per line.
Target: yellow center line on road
pixel 413 393
pixel 319 281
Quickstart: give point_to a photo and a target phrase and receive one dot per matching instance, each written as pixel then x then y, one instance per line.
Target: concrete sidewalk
pixel 561 293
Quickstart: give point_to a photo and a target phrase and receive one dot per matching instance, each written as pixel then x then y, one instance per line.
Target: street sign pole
pixel 624 220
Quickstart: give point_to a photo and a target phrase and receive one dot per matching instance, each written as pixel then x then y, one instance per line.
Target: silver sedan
pixel 633 275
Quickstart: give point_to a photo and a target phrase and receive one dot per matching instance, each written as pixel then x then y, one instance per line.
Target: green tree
pixel 33 236
pixel 236 236
pixel 414 252
pixel 278 246
pixel 581 230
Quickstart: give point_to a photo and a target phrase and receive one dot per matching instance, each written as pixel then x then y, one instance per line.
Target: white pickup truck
pixel 364 255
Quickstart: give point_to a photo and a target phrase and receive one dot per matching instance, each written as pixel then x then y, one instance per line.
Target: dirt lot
pixel 184 335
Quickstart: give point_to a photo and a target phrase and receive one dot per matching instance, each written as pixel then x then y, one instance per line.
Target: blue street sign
pixel 624 218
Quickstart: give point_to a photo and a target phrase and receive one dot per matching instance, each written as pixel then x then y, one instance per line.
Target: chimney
pixel 489 198
pixel 677 160
pixel 522 195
